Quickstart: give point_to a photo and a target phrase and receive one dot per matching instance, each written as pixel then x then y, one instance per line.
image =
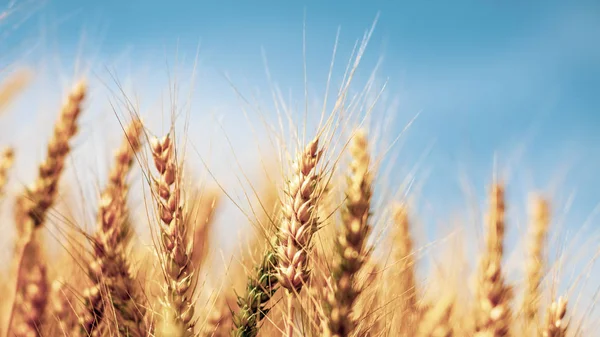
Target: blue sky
pixel 517 78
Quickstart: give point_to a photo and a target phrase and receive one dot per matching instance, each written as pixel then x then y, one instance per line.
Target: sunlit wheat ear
pixel 253 305
pixel 493 314
pixel 403 271
pixel 13 86
pixel 7 157
pixel 436 320
pixel 38 198
pixel 111 268
pixel 31 209
pixel 298 223
pixel 176 250
pixel 351 242
pixel 555 324
pixel 540 219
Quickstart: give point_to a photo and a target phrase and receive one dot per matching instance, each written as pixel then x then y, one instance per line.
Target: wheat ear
pixel 176 250
pixel 540 215
pixel 298 224
pixel 253 305
pixel 493 316
pixel 33 206
pixel 404 271
pixel 111 269
pixel 7 157
pixel 555 324
pixel 30 213
pixel 351 243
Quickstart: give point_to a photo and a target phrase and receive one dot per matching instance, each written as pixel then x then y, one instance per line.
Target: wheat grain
pixel 32 206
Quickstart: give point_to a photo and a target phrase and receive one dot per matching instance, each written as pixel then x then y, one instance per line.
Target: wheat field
pixel 328 247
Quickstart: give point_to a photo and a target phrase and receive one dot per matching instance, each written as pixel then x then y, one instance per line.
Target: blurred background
pixel 508 84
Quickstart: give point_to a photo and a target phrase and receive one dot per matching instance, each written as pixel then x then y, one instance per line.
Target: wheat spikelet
pixel 299 222
pixel 111 268
pixel 555 324
pixel 493 315
pixel 7 157
pixel 176 251
pixel 351 250
pixel 538 231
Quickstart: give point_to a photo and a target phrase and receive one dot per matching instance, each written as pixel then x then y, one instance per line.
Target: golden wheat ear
pixel 493 315
pixel 352 252
pixel 406 310
pixel 110 271
pixel 538 228
pixel 30 215
pixel 298 224
pixel 176 251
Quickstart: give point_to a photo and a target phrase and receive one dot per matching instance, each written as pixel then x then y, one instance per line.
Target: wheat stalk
pixel 30 213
